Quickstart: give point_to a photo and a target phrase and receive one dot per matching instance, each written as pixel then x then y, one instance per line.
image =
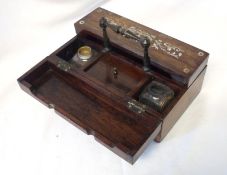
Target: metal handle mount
pixel 144 41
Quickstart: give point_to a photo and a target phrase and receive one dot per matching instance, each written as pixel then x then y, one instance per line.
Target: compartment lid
pixel 179 60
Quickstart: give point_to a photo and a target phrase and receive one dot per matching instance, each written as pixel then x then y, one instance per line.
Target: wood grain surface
pixel 95 96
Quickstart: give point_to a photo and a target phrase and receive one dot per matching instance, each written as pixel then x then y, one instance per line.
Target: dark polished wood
pixel 101 96
pixel 183 69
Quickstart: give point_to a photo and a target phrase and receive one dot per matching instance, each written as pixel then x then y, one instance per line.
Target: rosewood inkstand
pixel 122 82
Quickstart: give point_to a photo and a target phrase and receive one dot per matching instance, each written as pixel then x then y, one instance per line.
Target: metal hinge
pixel 136 106
pixel 63 65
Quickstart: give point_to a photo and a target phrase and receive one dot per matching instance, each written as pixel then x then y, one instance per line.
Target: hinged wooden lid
pixel 181 61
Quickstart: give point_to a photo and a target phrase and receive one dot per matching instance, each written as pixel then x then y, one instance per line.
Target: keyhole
pixel 115 73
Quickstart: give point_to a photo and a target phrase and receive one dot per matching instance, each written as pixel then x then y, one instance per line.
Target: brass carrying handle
pixel 144 41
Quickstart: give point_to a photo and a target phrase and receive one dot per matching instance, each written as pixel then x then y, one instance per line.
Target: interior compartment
pixel 130 79
pixel 93 115
pixel 69 52
pixel 115 73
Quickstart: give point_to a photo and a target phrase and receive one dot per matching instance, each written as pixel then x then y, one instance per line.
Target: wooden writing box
pixel 120 81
